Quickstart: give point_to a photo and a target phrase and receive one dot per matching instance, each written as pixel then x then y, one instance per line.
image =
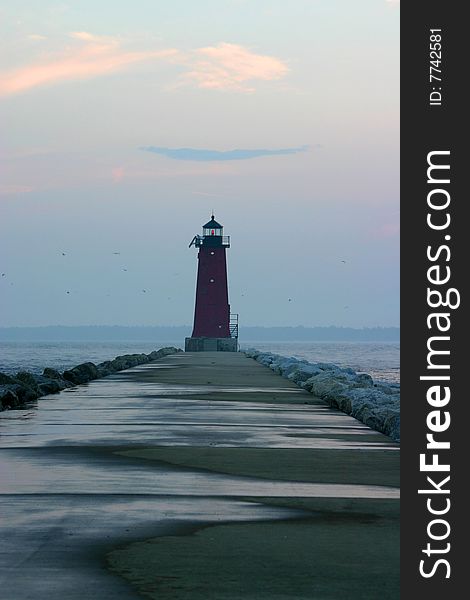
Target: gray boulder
pixel 105 368
pixel 82 373
pixel 27 379
pixel 51 373
pixel 51 385
pixel 7 379
pixel 156 354
pixel 364 380
pixel 127 361
pixel 375 404
pixel 8 398
pixel 25 386
pixel 49 376
pixel 21 392
pixel 303 373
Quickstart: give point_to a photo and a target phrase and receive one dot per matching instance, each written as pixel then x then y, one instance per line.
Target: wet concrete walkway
pixel 170 448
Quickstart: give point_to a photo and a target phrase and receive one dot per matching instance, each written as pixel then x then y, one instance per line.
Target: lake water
pixel 380 360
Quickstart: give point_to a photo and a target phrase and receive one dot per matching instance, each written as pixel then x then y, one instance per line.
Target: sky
pixel 125 124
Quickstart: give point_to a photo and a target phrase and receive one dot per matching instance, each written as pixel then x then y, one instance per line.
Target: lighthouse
pixel 215 328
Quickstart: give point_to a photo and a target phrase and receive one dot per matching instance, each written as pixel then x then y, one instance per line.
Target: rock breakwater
pixel 17 390
pixel 374 404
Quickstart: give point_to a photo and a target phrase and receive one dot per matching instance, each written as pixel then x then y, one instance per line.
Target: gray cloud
pixel 212 155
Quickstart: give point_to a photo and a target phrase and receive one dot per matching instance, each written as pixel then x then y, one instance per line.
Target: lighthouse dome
pixel 212 224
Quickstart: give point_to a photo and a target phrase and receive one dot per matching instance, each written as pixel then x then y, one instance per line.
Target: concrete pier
pixel 201 475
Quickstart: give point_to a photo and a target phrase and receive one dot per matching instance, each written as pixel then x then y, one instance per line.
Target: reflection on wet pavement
pixel 68 497
pixel 52 545
pixel 100 475
pixel 116 410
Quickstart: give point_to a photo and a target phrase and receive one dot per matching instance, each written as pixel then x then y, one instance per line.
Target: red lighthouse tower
pixel 214 327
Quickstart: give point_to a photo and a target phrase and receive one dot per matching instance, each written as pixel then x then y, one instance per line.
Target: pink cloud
pixel 95 56
pixel 90 37
pixel 387 230
pixel 222 67
pixel 118 174
pixel 232 67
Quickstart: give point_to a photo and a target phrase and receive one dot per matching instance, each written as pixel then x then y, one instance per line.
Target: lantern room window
pixel 211 231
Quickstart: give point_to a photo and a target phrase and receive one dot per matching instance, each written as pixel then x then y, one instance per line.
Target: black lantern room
pixel 212 228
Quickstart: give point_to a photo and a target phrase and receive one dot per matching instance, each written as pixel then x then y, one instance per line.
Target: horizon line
pixel 189 326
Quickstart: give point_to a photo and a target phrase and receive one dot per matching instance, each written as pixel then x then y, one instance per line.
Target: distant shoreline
pixel 59 333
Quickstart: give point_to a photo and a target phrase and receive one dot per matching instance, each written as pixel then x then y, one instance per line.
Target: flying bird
pixel 116 253
pixel 3 274
pixel 144 291
pixel 343 261
pixel 63 253
pixel 124 269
